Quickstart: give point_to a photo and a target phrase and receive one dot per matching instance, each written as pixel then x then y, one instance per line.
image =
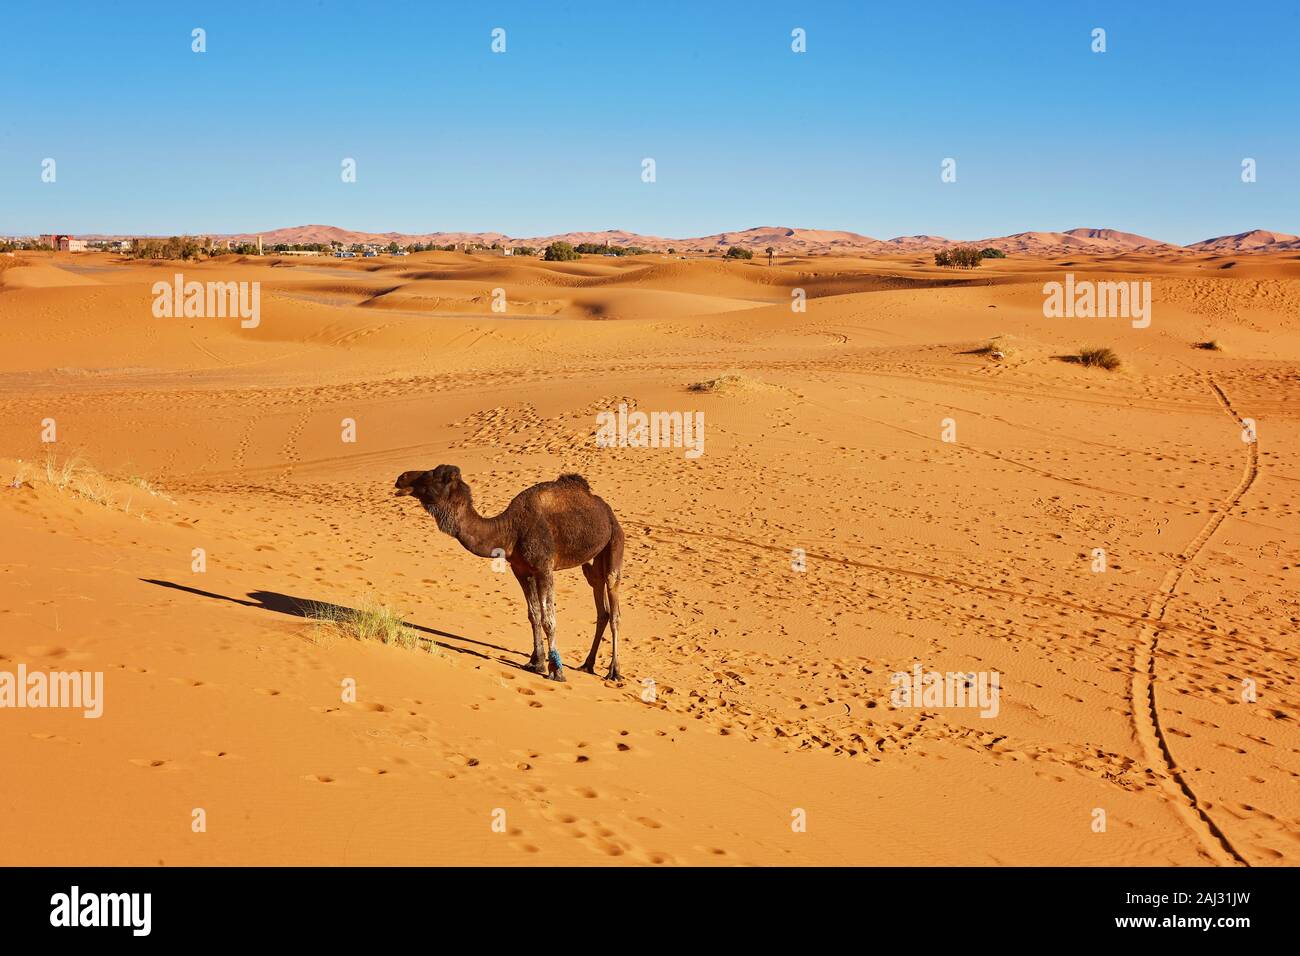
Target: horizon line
pixel 632 234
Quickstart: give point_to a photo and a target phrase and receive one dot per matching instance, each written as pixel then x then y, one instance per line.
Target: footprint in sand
pixel 156 764
pixel 318 778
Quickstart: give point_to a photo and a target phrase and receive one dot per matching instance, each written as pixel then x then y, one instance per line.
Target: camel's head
pixel 441 491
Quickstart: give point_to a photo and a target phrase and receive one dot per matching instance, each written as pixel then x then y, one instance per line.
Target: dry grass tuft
pixel 72 475
pixel 371 620
pixel 1095 358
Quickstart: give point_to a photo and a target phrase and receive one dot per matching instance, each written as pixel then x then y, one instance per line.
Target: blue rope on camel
pixel 554 658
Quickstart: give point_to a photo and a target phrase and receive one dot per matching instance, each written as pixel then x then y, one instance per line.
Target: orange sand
pixel 1121 691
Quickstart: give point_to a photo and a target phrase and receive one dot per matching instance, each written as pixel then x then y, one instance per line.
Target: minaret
pixel 259 245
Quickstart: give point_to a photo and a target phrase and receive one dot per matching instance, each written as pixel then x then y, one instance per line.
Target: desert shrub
pixel 605 249
pixel 736 252
pixel 561 252
pixel 1098 358
pixel 371 621
pixel 959 257
pixel 988 252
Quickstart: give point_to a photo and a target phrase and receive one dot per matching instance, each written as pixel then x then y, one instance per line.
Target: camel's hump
pixel 578 480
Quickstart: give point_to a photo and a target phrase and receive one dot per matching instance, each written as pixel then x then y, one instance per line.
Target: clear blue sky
pixel 1148 137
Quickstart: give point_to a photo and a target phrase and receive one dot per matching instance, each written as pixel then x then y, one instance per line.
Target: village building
pixel 63 243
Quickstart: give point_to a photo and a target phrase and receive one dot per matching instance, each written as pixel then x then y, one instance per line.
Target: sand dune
pixel 1121 691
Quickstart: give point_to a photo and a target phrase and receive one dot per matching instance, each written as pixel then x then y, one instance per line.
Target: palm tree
pixel 770 250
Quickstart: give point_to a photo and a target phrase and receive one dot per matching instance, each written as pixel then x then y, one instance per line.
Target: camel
pixel 549 527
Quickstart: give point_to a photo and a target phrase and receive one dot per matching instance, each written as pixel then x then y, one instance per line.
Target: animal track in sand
pixel 1146 652
pixel 55 738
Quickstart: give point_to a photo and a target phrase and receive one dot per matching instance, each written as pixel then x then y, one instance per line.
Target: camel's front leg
pixel 545 584
pixel 537 663
pixel 611 598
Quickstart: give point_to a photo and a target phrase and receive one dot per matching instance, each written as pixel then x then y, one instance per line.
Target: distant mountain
pixel 301 235
pixel 1114 237
pixel 784 239
pixel 909 243
pixel 1257 240
pixel 787 240
pixel 1083 241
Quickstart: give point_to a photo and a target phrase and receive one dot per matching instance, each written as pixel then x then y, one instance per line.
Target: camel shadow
pixel 309 608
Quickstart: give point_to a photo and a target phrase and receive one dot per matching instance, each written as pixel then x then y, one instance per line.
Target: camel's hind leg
pixel 537 663
pixel 594 572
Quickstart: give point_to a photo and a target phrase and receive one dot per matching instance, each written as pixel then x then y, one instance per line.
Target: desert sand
pixel 1122 691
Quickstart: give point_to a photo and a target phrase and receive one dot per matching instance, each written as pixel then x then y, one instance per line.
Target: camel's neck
pixel 485 537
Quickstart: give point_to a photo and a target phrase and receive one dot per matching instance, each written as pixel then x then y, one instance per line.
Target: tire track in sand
pixel 1146 714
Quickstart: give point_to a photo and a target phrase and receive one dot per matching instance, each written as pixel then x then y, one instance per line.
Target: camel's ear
pixel 445 475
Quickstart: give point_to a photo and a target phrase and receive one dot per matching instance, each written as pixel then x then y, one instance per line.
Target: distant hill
pixel 787 241
pixel 1257 240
